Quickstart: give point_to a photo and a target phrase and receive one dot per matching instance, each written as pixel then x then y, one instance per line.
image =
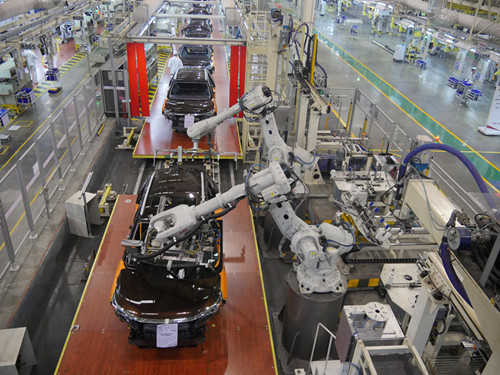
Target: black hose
pixel 444 326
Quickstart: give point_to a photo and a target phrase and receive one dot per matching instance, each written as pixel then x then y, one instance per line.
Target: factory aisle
pixel 421 94
pixel 34 118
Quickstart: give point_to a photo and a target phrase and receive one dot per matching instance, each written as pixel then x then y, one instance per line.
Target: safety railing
pixel 29 190
pixel 323 364
pixel 359 115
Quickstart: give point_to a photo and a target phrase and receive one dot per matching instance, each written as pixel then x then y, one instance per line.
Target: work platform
pixel 237 339
pixel 157 135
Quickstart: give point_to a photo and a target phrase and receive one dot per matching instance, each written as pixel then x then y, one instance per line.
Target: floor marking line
pixel 472 150
pixel 36 130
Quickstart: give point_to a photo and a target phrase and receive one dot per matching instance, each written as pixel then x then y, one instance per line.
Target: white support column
pixel 422 320
pixel 301 125
pixel 312 131
pixel 493 122
pixel 272 57
pixel 307 11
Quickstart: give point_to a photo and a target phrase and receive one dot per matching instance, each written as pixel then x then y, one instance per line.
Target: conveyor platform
pixel 237 338
pixel 157 133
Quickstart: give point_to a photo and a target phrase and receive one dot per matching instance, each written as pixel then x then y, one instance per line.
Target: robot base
pixel 302 314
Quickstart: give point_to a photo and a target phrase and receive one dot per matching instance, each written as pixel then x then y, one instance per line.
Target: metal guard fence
pixel 29 190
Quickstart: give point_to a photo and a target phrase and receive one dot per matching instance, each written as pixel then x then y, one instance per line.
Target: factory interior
pixel 300 187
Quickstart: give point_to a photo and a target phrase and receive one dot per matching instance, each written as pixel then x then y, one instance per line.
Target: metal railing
pixel 328 351
pixel 361 117
pixel 454 365
pixel 29 190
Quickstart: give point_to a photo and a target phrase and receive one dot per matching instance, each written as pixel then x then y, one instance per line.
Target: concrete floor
pixel 24 129
pixel 433 112
pixel 54 309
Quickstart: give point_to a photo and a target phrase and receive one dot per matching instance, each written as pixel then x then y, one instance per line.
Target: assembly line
pixel 240 188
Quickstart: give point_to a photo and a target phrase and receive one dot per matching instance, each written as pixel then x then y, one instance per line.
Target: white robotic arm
pixel 271 183
pixel 317 248
pixel 279 151
pixel 254 101
pixel 258 101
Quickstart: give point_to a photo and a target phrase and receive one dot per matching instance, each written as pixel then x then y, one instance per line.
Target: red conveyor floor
pixel 237 338
pixel 157 133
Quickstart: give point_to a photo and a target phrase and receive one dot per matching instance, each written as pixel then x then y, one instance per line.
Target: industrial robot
pixel 259 102
pixel 317 248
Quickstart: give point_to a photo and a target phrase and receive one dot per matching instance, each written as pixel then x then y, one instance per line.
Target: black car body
pixel 197 56
pixel 198 28
pixel 190 98
pixel 181 287
pixel 200 9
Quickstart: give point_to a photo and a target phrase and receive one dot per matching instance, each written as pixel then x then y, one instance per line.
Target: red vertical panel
pixel 243 62
pixel 132 80
pixel 143 78
pixel 233 79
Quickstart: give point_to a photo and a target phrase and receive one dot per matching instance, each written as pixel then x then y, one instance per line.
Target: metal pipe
pixel 193 16
pixel 43 179
pixel 114 79
pixel 188 41
pixel 14 8
pixel 349 118
pixel 83 196
pixel 475 18
pixel 449 18
pixel 26 201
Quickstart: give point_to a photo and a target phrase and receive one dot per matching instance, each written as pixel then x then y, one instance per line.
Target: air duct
pixel 12 8
pixel 478 24
pixel 146 10
pixel 485 7
pixel 448 18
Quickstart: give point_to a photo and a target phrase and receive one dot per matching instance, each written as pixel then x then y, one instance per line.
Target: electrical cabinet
pixel 16 356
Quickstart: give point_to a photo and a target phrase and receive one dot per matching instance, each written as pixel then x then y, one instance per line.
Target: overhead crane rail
pixel 188 41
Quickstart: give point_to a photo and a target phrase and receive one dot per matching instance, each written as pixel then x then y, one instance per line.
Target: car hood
pixel 189 106
pixel 196 62
pixel 151 297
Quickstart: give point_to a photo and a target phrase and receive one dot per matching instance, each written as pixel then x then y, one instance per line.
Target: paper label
pixel 166 335
pixel 188 121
